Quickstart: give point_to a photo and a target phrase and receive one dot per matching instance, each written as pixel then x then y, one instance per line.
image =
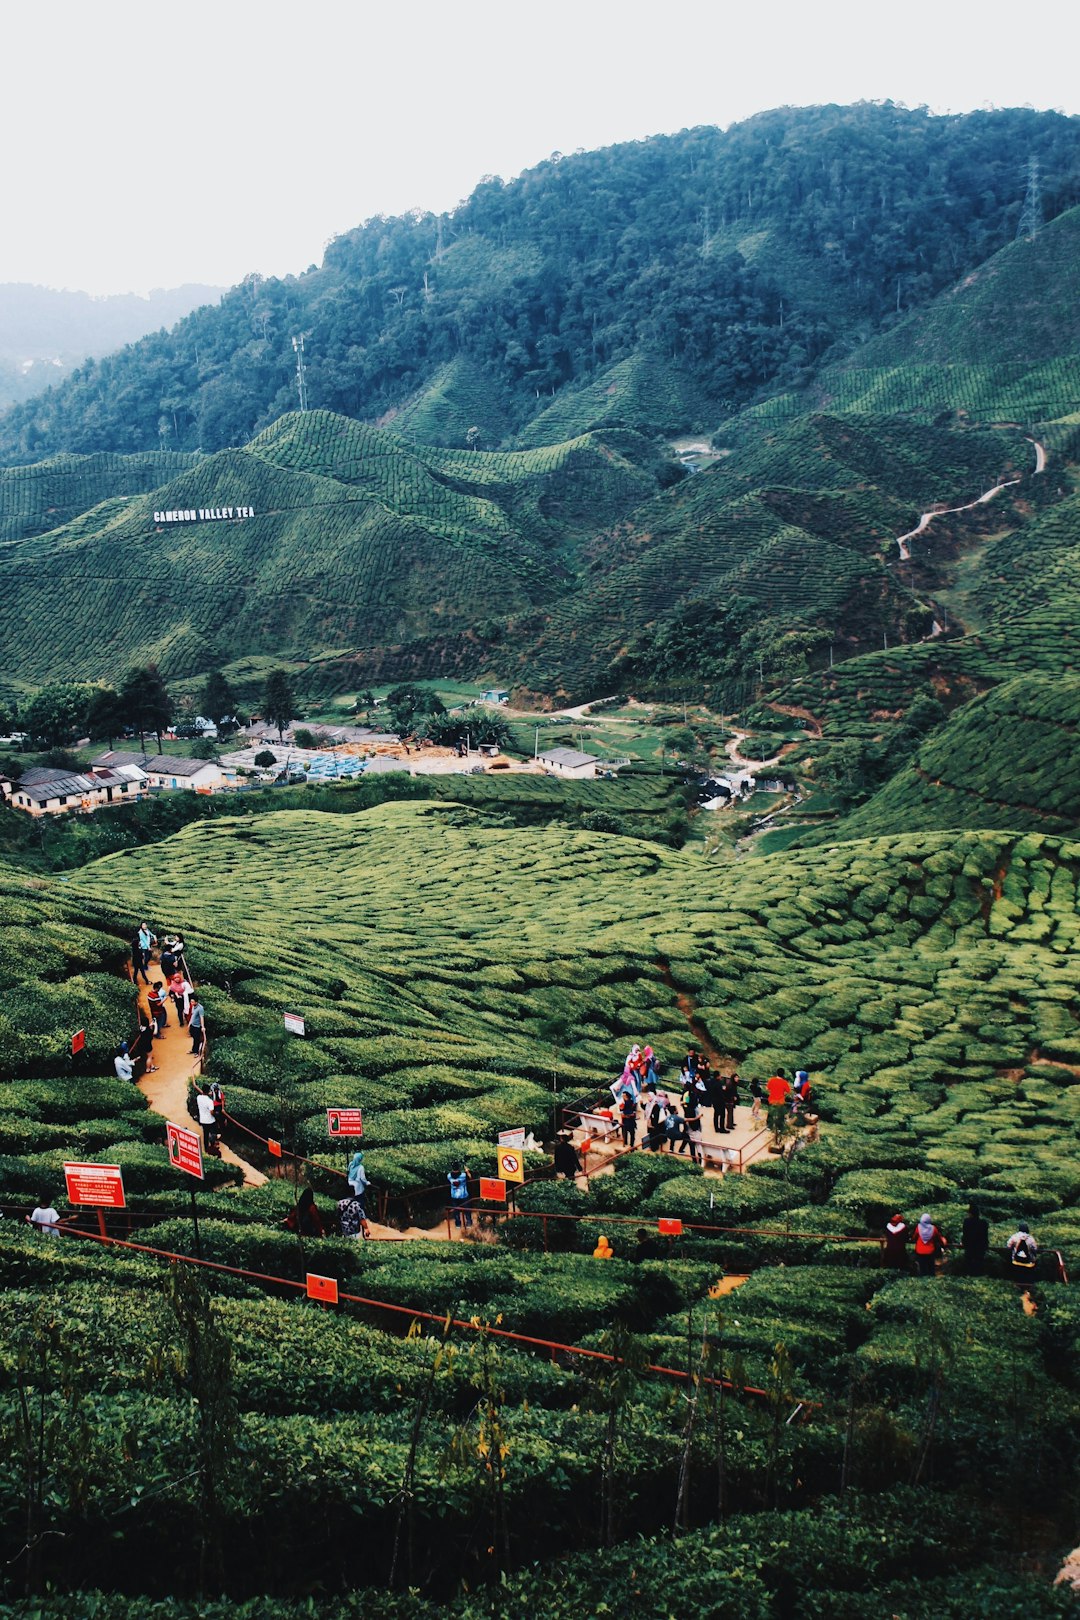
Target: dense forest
pixel 742 257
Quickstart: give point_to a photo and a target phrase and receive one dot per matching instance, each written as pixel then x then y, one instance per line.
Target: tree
pixel 145 704
pixel 265 758
pixel 57 713
pixel 219 702
pixel 477 724
pixel 103 717
pixel 278 703
pixel 412 707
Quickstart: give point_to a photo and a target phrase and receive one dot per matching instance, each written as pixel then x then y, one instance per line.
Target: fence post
pixel 543 1219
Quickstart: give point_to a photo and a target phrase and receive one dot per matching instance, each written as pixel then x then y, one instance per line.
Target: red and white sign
pixel 493 1189
pixel 78 1041
pixel 324 1288
pixel 344 1122
pixel 511 1164
pixel 668 1227
pixel 101 1184
pixel 185 1149
pixel 294 1024
pixel 514 1138
pixel 273 1148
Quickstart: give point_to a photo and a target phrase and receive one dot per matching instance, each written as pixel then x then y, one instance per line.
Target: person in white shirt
pixel 207 1119
pixel 46 1219
pixel 125 1068
pixel 1022 1249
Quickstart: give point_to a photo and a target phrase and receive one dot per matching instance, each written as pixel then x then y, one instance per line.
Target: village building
pixel 494 694
pixel 194 775
pixel 45 792
pixel 568 762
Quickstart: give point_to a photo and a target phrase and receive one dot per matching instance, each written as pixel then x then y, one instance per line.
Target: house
pixel 568 762
pixel 495 694
pixel 173 771
pixel 123 762
pixel 45 792
pixel 776 784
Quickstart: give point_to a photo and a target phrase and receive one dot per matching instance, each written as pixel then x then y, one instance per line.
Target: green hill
pixel 456 979
pixel 1004 342
pixel 1006 759
pixel 664 283
pixel 50 493
pixel 356 540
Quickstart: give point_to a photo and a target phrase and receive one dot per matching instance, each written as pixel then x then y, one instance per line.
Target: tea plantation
pixel 458 978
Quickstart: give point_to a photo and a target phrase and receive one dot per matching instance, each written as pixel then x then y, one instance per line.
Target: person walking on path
pixel 1023 1251
pixel 45 1219
pixel 655 1123
pixel 756 1098
pixel 930 1241
pixel 180 991
pixel 197 1026
pixel 358 1176
pixel 716 1102
pixel 894 1243
pixel 975 1238
pixel 565 1157
pixel 159 1009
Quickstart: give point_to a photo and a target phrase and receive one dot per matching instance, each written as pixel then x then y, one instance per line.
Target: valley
pixel 657 631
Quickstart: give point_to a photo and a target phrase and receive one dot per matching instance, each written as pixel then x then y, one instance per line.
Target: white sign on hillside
pixel 204 514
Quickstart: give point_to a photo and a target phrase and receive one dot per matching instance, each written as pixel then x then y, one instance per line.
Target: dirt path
pixel 166 1090
pixel 754 766
pixel 980 500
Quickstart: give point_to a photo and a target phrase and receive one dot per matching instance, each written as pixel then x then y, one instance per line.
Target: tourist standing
pixel 894 1243
pixel 1022 1250
pixel 197 1026
pixel 45 1219
pixel 975 1238
pixel 930 1241
pixel 458 1178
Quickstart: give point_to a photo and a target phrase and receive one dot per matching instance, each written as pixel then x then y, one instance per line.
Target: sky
pixel 147 145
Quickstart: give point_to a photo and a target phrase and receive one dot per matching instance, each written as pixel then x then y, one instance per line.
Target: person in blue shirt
pixel 458 1178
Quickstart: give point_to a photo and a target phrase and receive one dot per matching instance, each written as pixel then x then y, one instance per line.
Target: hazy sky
pixel 147 144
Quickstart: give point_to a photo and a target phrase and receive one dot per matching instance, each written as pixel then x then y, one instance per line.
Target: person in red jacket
pixel 777 1093
pixel 930 1241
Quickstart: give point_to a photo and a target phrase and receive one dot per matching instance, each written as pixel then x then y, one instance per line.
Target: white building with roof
pixel 568 762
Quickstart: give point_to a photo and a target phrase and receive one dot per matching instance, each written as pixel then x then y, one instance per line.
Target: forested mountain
pixel 45 332
pixel 717 264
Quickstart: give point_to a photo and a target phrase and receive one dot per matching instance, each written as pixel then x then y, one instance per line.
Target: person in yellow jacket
pixel 603 1250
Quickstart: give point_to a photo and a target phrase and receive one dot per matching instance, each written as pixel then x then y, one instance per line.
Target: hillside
pixel 451 975
pixel 1004 342
pixel 660 284
pixel 1007 759
pixel 357 539
pixel 50 493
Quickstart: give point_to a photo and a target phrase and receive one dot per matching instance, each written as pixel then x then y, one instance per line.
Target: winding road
pixel 980 500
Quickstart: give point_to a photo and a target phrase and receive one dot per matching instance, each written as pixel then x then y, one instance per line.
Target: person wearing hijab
pixel 929 1243
pixel 894 1245
pixel 358 1176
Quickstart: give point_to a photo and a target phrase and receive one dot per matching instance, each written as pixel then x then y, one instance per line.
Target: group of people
pixel 930 1245
pixel 677 1127
pixel 307 1220
pixel 132 1060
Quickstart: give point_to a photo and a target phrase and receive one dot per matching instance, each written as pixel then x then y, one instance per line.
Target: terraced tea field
pixel 449 972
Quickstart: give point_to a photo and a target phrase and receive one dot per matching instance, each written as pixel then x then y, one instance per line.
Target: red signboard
pixel 324 1288
pixel 78 1041
pixel 185 1149
pixel 344 1122
pixel 274 1148
pixel 101 1184
pixel 669 1228
pixel 493 1189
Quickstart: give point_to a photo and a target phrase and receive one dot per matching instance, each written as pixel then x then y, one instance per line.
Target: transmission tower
pixel 1031 216
pixel 301 380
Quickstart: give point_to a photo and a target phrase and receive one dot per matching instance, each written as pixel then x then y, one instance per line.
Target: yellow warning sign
pixel 511 1164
